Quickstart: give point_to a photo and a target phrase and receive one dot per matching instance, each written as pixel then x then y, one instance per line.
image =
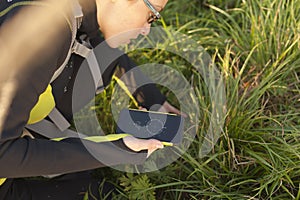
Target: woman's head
pixel 122 20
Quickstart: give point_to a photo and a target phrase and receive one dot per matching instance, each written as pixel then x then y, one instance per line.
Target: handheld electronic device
pixel 165 127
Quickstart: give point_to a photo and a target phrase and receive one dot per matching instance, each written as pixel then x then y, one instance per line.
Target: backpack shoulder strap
pixel 84 49
pixel 59 121
pixel 76 23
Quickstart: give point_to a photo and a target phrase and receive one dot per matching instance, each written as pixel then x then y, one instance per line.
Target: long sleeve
pixel 24 157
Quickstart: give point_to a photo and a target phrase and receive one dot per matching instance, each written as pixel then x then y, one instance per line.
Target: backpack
pixel 46 105
pixel 58 128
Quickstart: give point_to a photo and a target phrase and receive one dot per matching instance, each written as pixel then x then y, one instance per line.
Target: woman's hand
pixel 151 145
pixel 168 108
pixel 136 144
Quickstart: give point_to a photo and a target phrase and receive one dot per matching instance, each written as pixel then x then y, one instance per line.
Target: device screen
pixel 146 124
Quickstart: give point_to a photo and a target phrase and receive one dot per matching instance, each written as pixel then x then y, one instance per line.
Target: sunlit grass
pixel 255 45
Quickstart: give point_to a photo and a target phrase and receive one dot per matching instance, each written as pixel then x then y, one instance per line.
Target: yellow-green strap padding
pixel 106 138
pixel 43 107
pixel 2 180
pixel 28 3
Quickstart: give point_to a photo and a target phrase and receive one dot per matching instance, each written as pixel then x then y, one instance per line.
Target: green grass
pixel 255 45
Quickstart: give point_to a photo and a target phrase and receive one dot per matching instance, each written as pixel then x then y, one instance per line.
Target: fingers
pixel 142 108
pixel 178 112
pixel 167 107
pixel 136 144
pixel 153 146
pixel 132 143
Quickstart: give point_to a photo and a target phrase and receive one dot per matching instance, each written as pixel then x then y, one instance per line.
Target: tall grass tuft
pixel 255 45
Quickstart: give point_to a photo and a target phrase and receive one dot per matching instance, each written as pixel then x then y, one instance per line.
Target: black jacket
pixel 23 156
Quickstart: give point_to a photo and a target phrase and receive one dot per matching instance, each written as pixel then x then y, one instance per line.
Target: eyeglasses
pixel 154 15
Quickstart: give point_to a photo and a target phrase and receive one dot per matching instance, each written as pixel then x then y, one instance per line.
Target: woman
pixel 49 40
